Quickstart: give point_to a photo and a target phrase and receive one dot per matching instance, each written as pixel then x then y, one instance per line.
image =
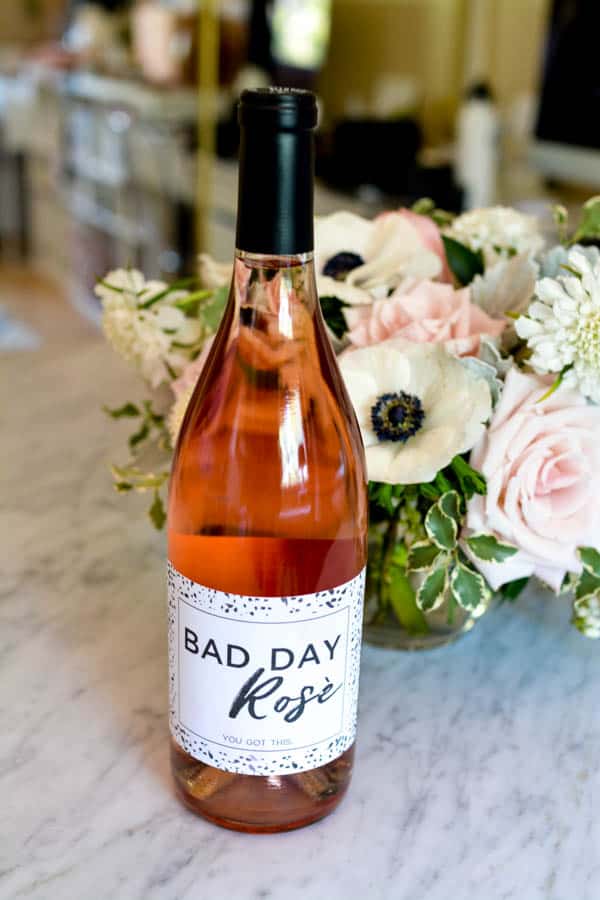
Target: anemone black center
pixel 339 265
pixel 397 416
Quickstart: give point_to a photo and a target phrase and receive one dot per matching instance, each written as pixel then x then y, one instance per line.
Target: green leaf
pixel 191 302
pixel 139 436
pixel 591 560
pixel 464 262
pixel 586 616
pixel 382 495
pixel 127 411
pixel 587 585
pixel 512 589
pixel 421 556
pixel 450 504
pixel 138 479
pixel 122 487
pixel 489 548
pixel 589 226
pixel 178 285
pixel 441 528
pixel 470 480
pixel 331 308
pixel 468 587
pixel 556 383
pixel 429 491
pixel 157 513
pixel 431 592
pixel 404 603
pixel 424 206
pixel 212 312
pixel 442 483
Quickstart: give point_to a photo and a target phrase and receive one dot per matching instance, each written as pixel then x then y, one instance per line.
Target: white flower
pixel 498 231
pixel 417 407
pixel 177 412
pixel 562 325
pixel 213 274
pixel 158 339
pixel 358 260
pixel 506 287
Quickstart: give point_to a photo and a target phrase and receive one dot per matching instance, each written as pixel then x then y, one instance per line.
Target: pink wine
pixel 267 518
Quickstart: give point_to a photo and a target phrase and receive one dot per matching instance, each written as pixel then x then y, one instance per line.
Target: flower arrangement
pixel 471 352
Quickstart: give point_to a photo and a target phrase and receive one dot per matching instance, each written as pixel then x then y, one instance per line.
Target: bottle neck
pixel 275 192
pixel 274 283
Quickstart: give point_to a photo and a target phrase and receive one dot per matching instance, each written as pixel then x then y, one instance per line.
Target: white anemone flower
pixel 498 231
pixel 417 407
pixel 562 325
pixel 358 260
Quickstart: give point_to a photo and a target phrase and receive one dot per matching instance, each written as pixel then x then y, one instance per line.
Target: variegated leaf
pixel 441 528
pixel 432 590
pixel 422 556
pixel 469 588
pixel 591 560
pixel 489 549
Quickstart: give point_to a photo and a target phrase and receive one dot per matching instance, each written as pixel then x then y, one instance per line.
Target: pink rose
pixel 424 312
pixel 431 238
pixel 542 465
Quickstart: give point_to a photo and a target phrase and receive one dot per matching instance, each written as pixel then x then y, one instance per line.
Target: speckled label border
pixel 199 706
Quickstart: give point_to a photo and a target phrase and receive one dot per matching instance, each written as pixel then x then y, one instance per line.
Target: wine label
pixel 264 685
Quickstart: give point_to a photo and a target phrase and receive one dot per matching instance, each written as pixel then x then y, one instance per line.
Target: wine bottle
pixel 267 517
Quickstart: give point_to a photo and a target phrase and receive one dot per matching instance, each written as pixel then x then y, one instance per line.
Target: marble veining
pixel 477 772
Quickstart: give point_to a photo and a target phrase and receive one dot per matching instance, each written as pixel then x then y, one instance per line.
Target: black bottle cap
pixel 275 197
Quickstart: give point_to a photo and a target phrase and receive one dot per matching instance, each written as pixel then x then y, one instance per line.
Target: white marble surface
pixel 477 773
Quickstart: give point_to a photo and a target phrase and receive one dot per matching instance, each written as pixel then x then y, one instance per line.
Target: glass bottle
pixel 267 518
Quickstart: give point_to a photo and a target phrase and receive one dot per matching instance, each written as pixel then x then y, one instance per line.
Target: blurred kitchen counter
pixel 477 766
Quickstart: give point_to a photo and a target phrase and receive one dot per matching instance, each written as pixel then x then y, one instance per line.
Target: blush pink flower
pixel 542 465
pixel 431 238
pixel 424 312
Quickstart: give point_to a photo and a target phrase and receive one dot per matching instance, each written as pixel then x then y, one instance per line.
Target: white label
pixel 264 685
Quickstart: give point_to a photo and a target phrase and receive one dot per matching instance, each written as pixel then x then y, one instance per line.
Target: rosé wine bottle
pixel 267 518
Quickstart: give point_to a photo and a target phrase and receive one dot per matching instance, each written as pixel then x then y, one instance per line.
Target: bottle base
pixel 253 827
pixel 257 804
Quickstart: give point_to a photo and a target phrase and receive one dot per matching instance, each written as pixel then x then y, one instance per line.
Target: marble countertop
pixel 478 764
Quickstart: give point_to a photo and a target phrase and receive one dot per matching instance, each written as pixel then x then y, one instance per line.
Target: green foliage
pixel 464 263
pixel 586 585
pixel 403 602
pixel 422 555
pixel 511 590
pixel 157 513
pixel 179 285
pixel 127 411
pixel 450 505
pixel 560 216
pixel 426 207
pixel 441 528
pixel 433 588
pixel 332 307
pixel 133 478
pixel 384 498
pixel 589 226
pixel 556 383
pixel 590 559
pixel 468 587
pixel 470 481
pixel 212 310
pixel 489 549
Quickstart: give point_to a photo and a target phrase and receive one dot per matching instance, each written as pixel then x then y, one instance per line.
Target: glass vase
pixel 392 616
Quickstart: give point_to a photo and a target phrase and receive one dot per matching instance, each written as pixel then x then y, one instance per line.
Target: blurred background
pixel 118 139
